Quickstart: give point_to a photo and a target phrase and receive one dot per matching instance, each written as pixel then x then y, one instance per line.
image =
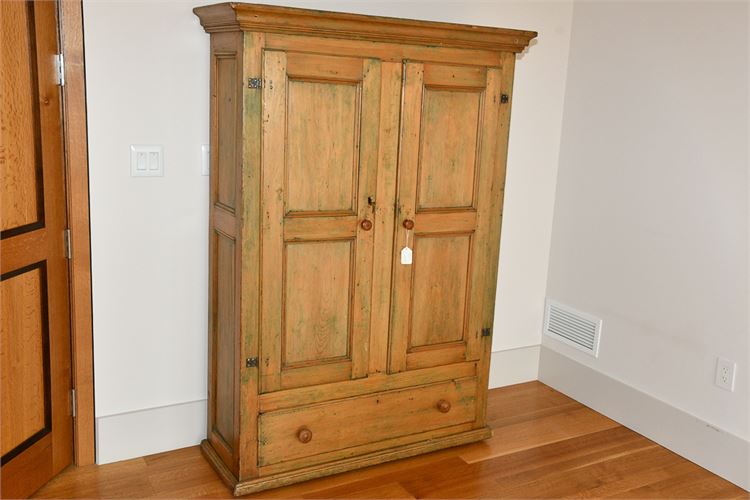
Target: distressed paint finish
pixel 250 255
pixel 272 217
pixel 447 118
pixel 447 168
pixel 315 322
pixel 321 138
pixel 378 417
pixel 502 83
pixel 224 252
pixel 322 144
pixel 384 216
pixel 317 306
pixel 405 205
pixel 439 290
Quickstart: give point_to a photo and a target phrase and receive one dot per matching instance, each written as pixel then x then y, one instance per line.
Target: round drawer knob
pixel 304 435
pixel 443 406
pixel 408 224
pixel 366 224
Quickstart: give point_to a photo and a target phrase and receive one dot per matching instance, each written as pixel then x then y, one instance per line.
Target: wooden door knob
pixel 408 224
pixel 366 224
pixel 444 406
pixel 304 435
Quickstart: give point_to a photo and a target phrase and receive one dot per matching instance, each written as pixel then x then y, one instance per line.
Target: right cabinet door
pixel 448 153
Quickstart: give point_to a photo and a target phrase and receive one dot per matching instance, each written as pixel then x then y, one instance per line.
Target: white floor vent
pixel 572 327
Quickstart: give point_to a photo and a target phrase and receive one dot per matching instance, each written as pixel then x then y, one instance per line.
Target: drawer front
pixel 310 430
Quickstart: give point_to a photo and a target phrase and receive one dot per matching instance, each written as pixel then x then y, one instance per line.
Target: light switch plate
pixel 205 159
pixel 146 160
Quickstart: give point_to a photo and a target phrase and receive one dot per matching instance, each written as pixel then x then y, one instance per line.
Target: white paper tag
pixel 406 256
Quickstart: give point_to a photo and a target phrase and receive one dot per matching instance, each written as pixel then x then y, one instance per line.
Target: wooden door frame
pixel 75 138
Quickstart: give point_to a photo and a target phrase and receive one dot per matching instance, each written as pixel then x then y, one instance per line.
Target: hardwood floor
pixel 545 445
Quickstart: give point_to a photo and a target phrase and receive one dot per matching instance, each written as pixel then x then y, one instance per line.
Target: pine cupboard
pixel 340 144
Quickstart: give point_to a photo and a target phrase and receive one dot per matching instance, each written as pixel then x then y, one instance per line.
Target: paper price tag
pixel 406 257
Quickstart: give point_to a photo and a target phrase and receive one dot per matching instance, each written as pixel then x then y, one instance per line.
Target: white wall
pixel 651 216
pixel 147 83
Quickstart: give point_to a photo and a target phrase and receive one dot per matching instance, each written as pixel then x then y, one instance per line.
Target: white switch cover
pixel 146 161
pixel 205 160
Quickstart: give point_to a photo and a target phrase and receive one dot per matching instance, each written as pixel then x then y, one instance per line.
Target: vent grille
pixel 572 327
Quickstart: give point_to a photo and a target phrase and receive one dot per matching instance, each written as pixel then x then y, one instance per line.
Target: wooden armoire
pixel 357 175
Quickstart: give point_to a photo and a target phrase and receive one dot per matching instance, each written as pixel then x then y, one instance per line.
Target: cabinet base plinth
pixel 335 467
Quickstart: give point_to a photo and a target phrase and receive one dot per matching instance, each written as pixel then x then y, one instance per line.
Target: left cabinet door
pixel 319 160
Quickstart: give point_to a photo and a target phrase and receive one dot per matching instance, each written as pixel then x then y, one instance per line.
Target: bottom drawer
pixel 310 430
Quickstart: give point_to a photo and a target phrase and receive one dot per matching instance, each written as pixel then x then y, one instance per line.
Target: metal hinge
pixel 251 362
pixel 60 68
pixel 486 332
pixel 73 402
pixel 504 99
pixel 67 244
pixel 254 83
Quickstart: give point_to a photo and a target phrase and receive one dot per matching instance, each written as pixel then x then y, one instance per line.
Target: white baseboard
pixel 717 450
pixel 153 430
pixel 514 366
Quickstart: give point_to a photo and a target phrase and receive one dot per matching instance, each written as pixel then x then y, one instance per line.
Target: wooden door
pixel 447 153
pixel 320 147
pixel 36 435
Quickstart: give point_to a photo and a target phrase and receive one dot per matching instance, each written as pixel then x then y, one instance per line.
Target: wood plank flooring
pixel 545 445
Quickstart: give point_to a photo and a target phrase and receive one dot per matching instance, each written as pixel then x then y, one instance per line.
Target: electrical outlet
pixel 725 374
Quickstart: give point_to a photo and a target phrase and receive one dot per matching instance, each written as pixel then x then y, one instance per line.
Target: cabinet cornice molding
pixel 294 21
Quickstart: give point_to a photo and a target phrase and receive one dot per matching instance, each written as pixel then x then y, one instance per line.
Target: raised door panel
pixel 436 301
pixel 226 110
pixel 448 148
pixel 320 146
pixel 22 205
pixel 439 304
pixel 224 330
pixel 24 359
pixel 331 144
pixel 317 302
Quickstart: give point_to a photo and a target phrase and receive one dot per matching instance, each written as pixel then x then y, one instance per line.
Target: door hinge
pixel 60 69
pixel 254 83
pixel 73 402
pixel 486 332
pixel 251 362
pixel 67 244
pixel 504 99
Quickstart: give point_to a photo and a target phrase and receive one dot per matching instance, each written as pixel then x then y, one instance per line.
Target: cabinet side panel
pixel 224 251
pixel 224 327
pixel 499 82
